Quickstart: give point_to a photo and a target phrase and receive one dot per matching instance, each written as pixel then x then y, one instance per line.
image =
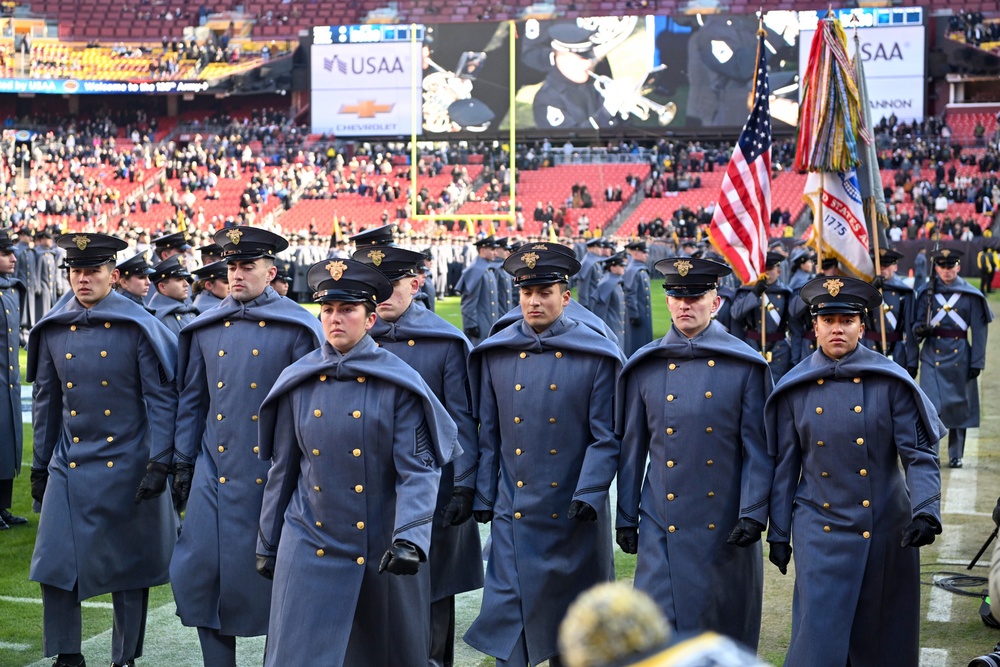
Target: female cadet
pixel 356 440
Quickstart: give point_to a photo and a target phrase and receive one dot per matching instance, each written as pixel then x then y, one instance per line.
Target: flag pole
pixel 753 96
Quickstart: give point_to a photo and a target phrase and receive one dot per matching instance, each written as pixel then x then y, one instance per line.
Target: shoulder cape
pixel 419 322
pixel 164 305
pixel 112 308
pixel 564 334
pixel 860 362
pixel 366 358
pixel 713 341
pixel 959 285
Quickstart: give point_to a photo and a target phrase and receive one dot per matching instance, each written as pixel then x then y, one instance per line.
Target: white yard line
pixel 88 605
pixel 960 498
pixel 12 646
pixel 933 657
pixel 939 606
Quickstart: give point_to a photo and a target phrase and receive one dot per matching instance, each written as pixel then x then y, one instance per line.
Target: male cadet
pixel 505 285
pixel 133 279
pixel 210 254
pixel 171 304
pixel 426 292
pixel 104 409
pixel 696 516
pixel 213 279
pixel 856 491
pixel 48 287
pixel 775 296
pixel 608 301
pixel 590 273
pixel 11 432
pixel 284 278
pixel 478 287
pixel 897 308
pixel 438 352
pixel 168 245
pixel 26 273
pixel 948 312
pixel 544 388
pixel 228 359
pixel 801 338
pixel 638 303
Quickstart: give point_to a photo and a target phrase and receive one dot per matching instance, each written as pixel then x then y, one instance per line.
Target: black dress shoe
pixel 4 525
pixel 12 520
pixel 62 663
pixel 955 463
pixel 130 663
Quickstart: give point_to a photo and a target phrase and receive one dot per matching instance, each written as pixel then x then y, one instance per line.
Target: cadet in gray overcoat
pixel 480 296
pixel 339 511
pixel 104 410
pixel 952 319
pixel 544 390
pixel 11 431
pixel 696 515
pixel 48 287
pixel 591 270
pixel 897 308
pixel 746 315
pixel 608 300
pixel 638 302
pixel 133 279
pixel 229 358
pixel 439 353
pixel 857 489
pixel 214 280
pixel 171 304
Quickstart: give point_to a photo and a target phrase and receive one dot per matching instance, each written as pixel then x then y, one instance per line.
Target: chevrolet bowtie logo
pixel 366 108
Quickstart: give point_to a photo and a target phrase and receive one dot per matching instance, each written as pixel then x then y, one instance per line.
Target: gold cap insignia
pixel 945 252
pixel 833 286
pixel 682 266
pixel 376 256
pixel 530 259
pixel 12 234
pixel 336 269
pixel 81 241
pixel 540 246
pixel 181 261
pixel 882 251
pixel 234 236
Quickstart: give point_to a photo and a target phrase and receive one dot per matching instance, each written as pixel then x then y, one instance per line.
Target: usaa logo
pixel 881 51
pixel 364 65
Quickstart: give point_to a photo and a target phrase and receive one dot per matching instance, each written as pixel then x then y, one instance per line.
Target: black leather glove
pixel 760 286
pixel 265 566
pixel 39 479
pixel 781 555
pixel 402 558
pixel 746 532
pixel 912 370
pixel 472 332
pixel 183 473
pixel 628 540
pixel 153 483
pixel 483 516
pixel 459 509
pixel 922 331
pixel 634 321
pixel 974 373
pixel 581 511
pixel 921 531
pixel 878 282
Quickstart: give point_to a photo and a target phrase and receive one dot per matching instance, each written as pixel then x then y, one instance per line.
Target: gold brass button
pixel 72 464
pixel 708 394
pixel 672 366
pixel 711 526
pixel 260 481
pixel 107 413
pixel 555 516
pixel 555 485
pixel 222 353
pixel 857 408
pixel 552 387
pixel 317 413
pixel 670 496
pixel 315 452
pixel 322 378
pixel 826 529
pixel 517 515
pixel 826 506
pixel 711 494
pixel 520 484
pixel 221 449
pixel 361 378
pixel 411 342
pixel 863 472
pixel 111 464
pixel 552 452
pixel 255 353
pixel 552 420
pixel 253 385
pixel 316 488
pixel 228 323
pixel 857 380
pixel 256 450
pixel 671 528
pixel 865 503
pixel 361 560
pixel 358 488
pixel 107 325
pixel 69 356
pixel 518 451
pixel 319 524
pixel 819 381
pixel 825 474
pixel 708 429
pixel 320 553
pixel 356 414
pixel 670 431
pixel 709 462
pixel 523 355
pixel 360 525
pixel 866 534
pixel 670 464
pixel 72 327
pixel 517 420
pixel 262 323
pixel 111 438
pixel 75 440
pixel 860 441
pixel 218 417
pixel 72 413
pixel 222 480
pixel 670 397
pixel 104 353
pixel 819 443
pixel 517 387
pixel 69 385
pixel 104 383
pixel 559 355
pixel 221 385
pixel 356 452
pixel 819 411
pixel 711 362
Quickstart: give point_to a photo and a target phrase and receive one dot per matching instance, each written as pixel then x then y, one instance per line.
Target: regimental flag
pixel 739 223
pixel 844 232
pixel 869 177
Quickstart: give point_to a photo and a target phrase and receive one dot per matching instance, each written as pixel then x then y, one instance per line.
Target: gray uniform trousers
pixel 63 625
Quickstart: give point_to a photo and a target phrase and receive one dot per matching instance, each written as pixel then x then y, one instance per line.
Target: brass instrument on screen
pixel 440 88
pixel 634 102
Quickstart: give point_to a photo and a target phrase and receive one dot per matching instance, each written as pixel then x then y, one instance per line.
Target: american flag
pixel 739 223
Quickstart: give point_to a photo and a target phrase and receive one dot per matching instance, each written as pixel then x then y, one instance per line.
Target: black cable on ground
pixel 958 583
